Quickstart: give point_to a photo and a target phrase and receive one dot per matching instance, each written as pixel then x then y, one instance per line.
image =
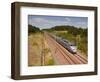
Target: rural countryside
pixel 57 40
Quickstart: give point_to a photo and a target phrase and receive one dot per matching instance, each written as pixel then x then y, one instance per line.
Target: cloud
pixel 82 23
pixel 43 20
pixel 48 22
pixel 38 20
pixel 44 23
pixel 67 19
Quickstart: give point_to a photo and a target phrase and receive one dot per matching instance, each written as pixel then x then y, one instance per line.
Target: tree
pixel 33 29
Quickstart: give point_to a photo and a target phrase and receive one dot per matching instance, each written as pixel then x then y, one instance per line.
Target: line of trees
pixel 71 29
pixel 33 29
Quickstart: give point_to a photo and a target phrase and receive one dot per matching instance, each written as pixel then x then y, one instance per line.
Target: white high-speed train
pixel 71 47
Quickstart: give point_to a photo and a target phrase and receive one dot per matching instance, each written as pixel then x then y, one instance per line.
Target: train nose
pixel 74 49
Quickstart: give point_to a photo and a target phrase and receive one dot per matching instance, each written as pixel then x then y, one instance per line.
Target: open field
pixel 34 49
pixel 39 53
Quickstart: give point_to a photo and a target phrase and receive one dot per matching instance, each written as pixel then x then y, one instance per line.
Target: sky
pixel 43 21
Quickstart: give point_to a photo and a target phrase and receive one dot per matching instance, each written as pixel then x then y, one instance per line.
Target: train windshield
pixel 73 47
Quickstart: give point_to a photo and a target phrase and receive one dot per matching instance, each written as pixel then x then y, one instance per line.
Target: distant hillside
pixel 71 29
pixel 33 29
pixel 59 28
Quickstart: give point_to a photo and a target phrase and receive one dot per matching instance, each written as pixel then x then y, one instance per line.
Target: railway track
pixel 81 58
pixel 67 61
pixel 67 56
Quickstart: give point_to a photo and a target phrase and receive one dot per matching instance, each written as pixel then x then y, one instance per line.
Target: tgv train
pixel 71 47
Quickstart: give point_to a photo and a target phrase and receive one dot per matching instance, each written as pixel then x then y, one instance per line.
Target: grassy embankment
pixel 38 51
